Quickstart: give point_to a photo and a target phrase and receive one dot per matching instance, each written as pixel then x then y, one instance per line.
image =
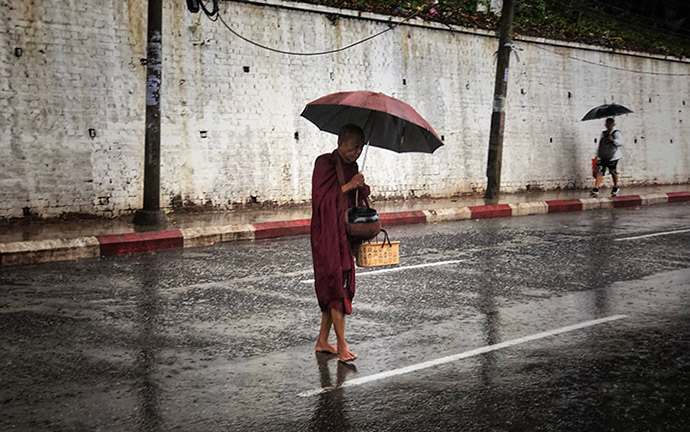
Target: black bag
pixel 363 223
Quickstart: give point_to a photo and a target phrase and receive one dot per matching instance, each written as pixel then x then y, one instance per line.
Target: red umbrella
pixel 387 122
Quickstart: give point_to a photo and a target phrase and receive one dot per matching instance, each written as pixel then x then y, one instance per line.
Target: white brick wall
pixel 80 69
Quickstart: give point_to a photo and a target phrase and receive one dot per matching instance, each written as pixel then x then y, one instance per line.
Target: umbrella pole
pixel 364 161
pixel 366 150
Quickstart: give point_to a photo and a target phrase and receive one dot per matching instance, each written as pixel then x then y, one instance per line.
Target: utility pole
pixel 493 168
pixel 151 214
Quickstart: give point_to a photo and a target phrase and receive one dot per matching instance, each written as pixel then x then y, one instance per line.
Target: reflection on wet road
pixel 456 357
pixel 558 322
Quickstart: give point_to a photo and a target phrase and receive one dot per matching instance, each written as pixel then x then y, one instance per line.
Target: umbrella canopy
pixel 387 122
pixel 606 110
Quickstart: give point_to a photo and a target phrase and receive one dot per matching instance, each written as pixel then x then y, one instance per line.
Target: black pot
pixel 362 215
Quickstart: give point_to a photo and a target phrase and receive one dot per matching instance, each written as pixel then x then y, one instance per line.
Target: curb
pixel 39 251
pixel 119 244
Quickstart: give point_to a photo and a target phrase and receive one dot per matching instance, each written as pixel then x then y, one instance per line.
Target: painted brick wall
pixel 80 69
pixel 68 67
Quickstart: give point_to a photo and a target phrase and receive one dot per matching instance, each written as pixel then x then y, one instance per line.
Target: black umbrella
pixel 606 110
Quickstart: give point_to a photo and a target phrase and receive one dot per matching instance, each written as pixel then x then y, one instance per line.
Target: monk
pixel 334 266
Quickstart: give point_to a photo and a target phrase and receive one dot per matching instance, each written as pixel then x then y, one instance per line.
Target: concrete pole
pixel 151 214
pixel 493 169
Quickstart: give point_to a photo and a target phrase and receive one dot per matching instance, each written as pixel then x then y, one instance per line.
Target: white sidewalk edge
pixel 529 208
pixel 447 214
pixel 38 251
pixel 654 198
pixel 208 236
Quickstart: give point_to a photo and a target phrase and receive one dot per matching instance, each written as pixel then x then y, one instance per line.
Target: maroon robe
pixel 334 265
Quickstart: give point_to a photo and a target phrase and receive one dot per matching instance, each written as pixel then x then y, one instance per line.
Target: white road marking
pixel 466 354
pixel 396 269
pixel 652 235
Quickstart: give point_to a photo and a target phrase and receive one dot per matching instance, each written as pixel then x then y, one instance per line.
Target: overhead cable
pixel 391 26
pixel 212 14
pixel 215 15
pixel 611 67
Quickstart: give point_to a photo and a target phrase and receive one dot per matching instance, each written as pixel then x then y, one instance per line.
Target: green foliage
pixel 594 22
pixel 531 11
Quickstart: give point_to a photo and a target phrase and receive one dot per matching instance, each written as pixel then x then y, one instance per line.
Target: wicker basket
pixel 375 254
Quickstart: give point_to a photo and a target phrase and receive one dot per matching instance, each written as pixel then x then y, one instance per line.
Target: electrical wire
pixel 215 15
pixel 391 26
pixel 212 14
pixel 611 67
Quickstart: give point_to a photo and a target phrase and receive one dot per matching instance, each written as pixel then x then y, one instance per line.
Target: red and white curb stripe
pixel 28 252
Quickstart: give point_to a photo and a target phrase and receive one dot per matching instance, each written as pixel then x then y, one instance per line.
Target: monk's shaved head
pixel 350 132
pixel 350 142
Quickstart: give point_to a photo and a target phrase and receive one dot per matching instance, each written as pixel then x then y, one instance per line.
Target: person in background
pixel 608 155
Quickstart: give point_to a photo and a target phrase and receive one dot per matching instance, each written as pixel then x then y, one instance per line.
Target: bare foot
pixel 326 348
pixel 345 355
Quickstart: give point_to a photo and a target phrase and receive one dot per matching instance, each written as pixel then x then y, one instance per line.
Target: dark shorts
pixel 603 164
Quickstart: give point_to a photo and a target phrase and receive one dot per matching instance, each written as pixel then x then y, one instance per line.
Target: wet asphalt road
pixel 221 338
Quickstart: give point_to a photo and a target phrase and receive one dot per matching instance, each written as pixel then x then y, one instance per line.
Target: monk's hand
pixel 357 181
